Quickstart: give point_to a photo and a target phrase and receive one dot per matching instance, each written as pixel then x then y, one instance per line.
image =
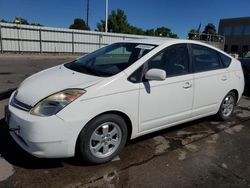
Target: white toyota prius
pixel 93 105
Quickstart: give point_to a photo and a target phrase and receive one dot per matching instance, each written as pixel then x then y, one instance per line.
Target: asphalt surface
pixel 201 153
pixel 15 68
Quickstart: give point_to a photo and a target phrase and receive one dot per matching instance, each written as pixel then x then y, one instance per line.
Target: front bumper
pixel 44 137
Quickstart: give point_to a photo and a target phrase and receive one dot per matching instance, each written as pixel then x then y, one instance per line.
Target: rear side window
pixel 205 59
pixel 226 61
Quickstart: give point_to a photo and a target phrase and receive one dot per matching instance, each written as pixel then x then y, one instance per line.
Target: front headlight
pixel 56 102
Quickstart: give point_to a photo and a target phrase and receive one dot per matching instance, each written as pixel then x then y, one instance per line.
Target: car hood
pixel 47 82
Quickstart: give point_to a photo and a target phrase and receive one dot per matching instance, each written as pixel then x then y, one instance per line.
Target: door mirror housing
pixel 155 74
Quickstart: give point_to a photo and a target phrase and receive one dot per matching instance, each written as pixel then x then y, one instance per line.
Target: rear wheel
pixel 227 106
pixel 102 138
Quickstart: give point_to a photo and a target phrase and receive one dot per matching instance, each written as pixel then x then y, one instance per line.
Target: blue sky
pixel 178 15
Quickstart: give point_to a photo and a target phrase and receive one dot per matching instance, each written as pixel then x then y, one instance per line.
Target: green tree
pixel 20 20
pixel 210 33
pixel 4 21
pixel 36 24
pixel 165 32
pixel 150 32
pixel 194 34
pixel 79 24
pixel 100 26
pixel 210 29
pixel 117 22
pixel 135 30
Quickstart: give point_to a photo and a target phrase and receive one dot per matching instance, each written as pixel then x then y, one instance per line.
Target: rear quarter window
pixel 205 59
pixel 226 61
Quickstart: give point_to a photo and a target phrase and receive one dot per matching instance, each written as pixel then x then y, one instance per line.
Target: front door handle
pixel 187 85
pixel 224 78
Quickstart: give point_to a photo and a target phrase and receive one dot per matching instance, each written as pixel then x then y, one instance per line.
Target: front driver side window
pixel 174 60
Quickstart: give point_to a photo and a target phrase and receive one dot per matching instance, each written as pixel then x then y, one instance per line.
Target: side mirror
pixel 155 74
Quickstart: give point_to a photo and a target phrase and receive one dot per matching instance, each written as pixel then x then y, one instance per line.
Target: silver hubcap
pixel 105 139
pixel 227 106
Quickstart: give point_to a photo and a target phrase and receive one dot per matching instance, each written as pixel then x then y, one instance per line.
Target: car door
pixel 162 103
pixel 211 80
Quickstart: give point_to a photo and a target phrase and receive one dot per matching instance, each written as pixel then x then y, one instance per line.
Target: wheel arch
pixel 122 115
pixel 119 113
pixel 236 94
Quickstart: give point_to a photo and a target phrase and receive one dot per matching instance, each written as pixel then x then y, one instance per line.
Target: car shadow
pixel 16 156
pixel 246 92
pixel 170 129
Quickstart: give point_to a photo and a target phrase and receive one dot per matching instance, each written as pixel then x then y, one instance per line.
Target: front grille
pixel 18 104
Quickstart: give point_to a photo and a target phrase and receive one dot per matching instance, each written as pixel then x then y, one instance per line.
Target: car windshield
pixel 111 59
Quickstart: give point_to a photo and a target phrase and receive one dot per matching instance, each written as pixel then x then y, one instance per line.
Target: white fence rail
pixel 24 38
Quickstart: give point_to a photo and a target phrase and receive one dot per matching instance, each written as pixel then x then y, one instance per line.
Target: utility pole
pixel 87 20
pixel 106 16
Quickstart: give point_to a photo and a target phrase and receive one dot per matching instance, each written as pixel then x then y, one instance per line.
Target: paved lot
pixel 202 153
pixel 15 68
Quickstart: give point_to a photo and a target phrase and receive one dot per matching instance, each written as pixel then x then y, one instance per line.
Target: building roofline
pixel 238 18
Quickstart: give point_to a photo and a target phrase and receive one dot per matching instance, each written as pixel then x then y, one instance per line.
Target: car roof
pixel 153 41
pixel 160 41
pixel 163 41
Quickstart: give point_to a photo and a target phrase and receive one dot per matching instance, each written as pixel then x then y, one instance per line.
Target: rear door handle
pixel 187 85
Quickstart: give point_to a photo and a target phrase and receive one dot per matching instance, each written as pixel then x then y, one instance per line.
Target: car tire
pixel 102 138
pixel 227 107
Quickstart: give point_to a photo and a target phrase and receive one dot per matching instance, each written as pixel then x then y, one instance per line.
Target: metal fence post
pixel 18 39
pixel 100 39
pixel 40 40
pixel 1 39
pixel 73 50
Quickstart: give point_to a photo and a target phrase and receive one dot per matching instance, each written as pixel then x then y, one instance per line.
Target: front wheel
pixel 227 106
pixel 102 138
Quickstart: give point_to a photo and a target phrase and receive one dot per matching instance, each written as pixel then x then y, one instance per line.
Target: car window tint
pixel 118 56
pixel 143 52
pixel 225 60
pixel 110 60
pixel 174 60
pixel 205 59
